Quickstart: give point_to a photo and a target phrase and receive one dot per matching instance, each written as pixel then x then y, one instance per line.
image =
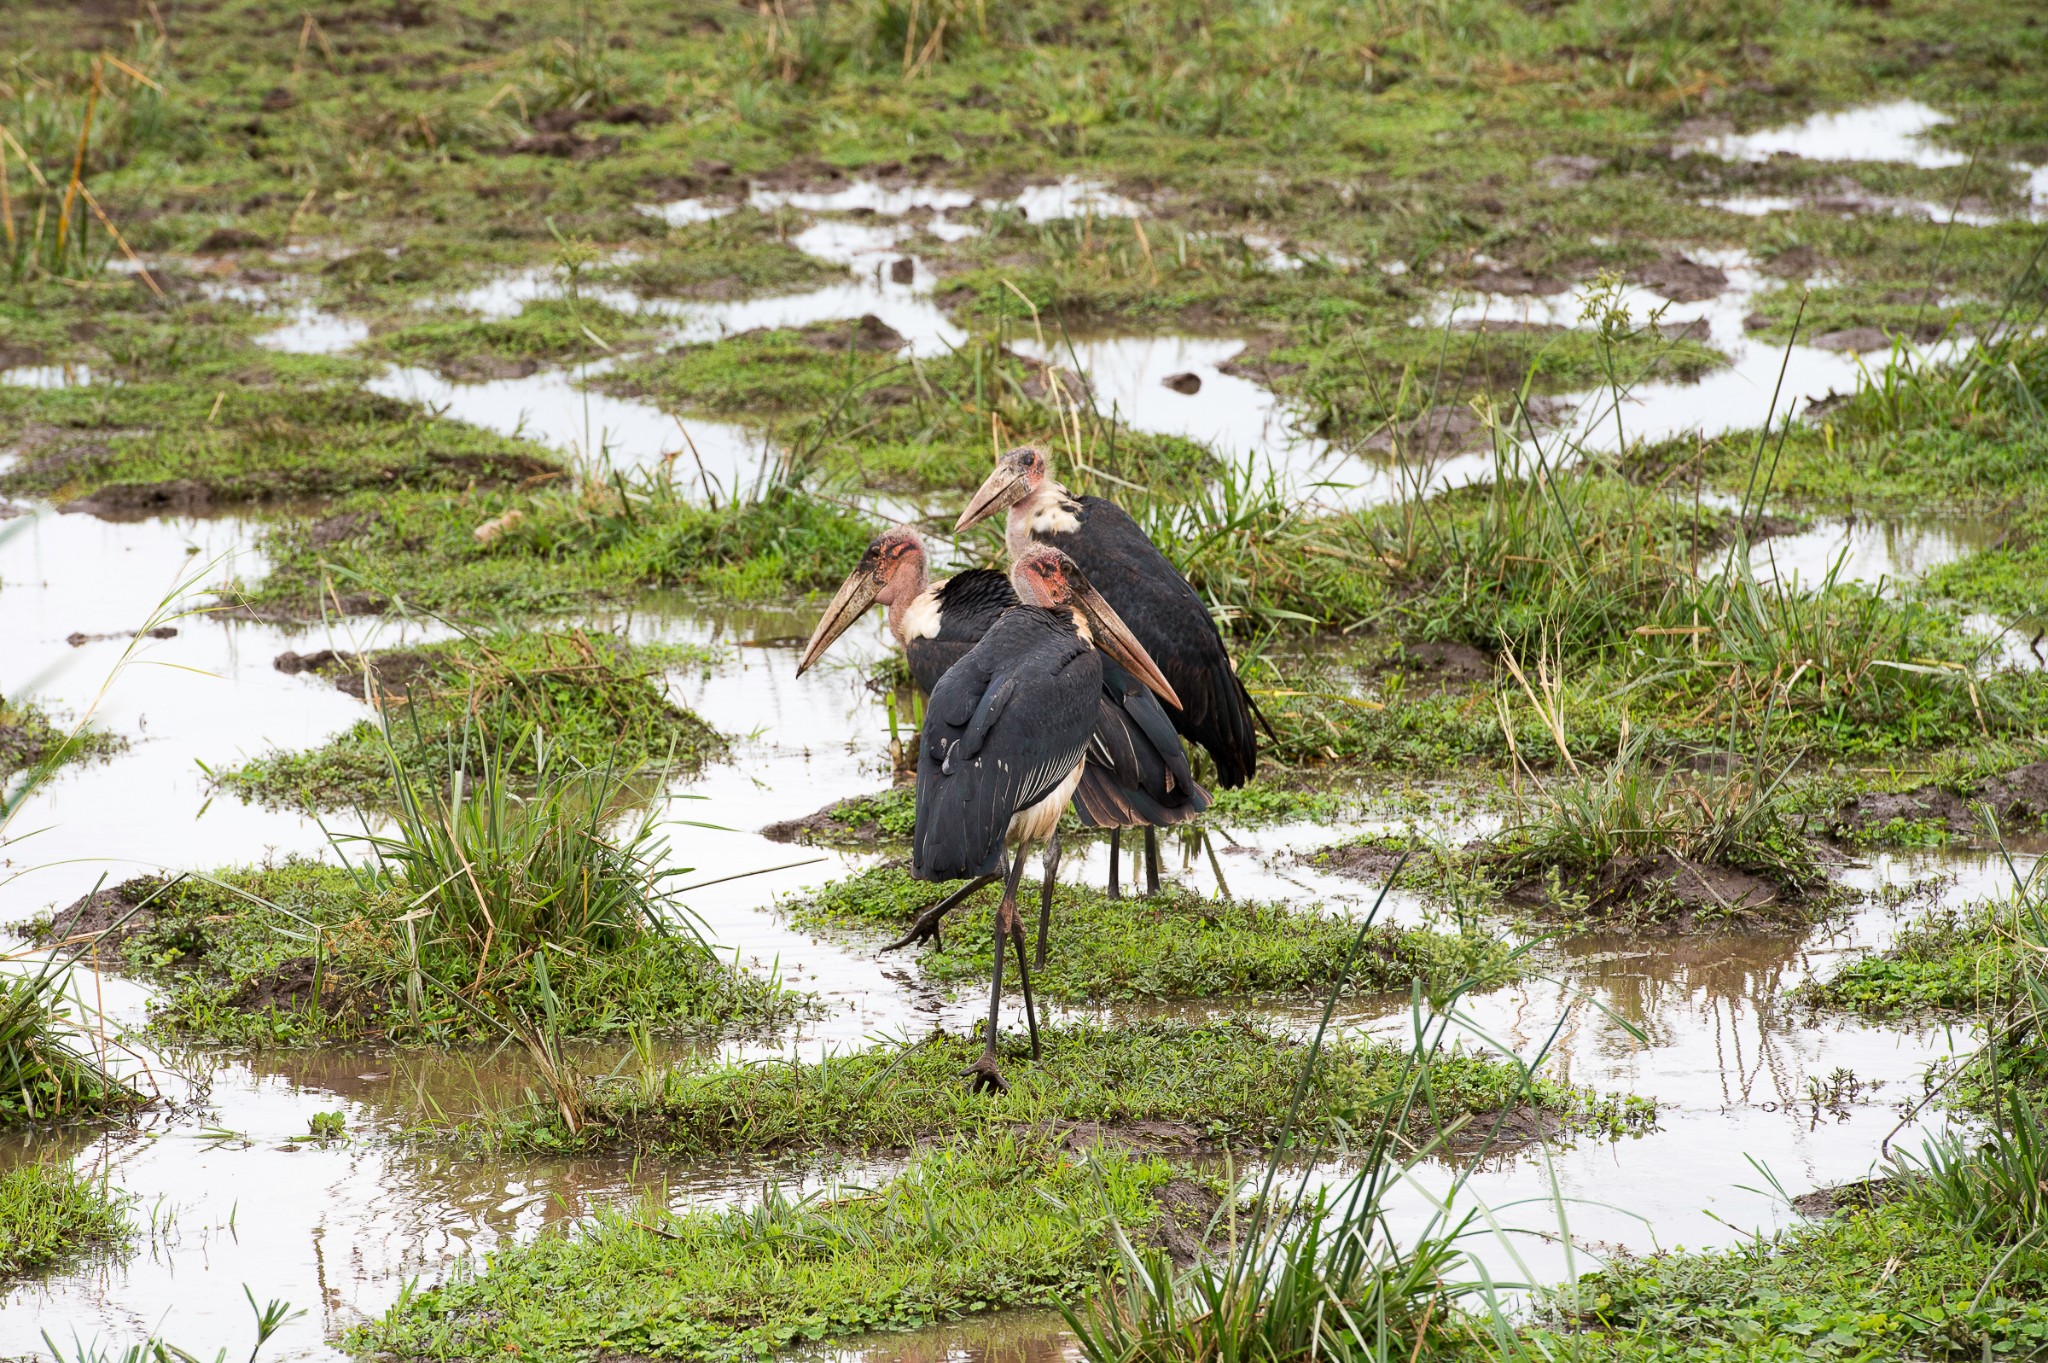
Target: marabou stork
pixel 1135 771
pixel 1164 611
pixel 1004 743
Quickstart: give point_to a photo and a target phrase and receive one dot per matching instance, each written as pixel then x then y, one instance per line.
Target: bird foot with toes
pixel 984 1077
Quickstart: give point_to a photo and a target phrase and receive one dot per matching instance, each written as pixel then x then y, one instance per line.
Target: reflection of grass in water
pixel 975 1225
pixel 599 700
pixel 1174 945
pixel 50 1214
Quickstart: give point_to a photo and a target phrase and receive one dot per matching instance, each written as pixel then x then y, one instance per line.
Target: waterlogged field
pixel 440 923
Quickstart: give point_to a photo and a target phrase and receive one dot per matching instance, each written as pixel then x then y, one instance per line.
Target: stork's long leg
pixel 983 1073
pixel 1052 870
pixel 1116 852
pixel 926 928
pixel 1151 860
pixel 1024 978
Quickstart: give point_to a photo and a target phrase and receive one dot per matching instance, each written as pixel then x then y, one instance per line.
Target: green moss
pixel 549 330
pixel 1173 945
pixel 1890 1282
pixel 971 1227
pixel 252 430
pixel 594 700
pixel 734 256
pixel 305 954
pixel 28 740
pixel 563 548
pixel 1221 1082
pixel 50 1215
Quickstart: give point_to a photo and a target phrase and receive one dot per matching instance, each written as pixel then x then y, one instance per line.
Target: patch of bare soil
pixel 1674 891
pixel 565 145
pixel 1682 280
pixel 116 501
pixel 1451 429
pixel 21 745
pixel 392 671
pixel 1503 1132
pixel 1856 1195
pixel 841 821
pixel 1364 861
pixel 1500 326
pixel 1150 1135
pixel 343 526
pixel 1446 664
pixel 2017 798
pixel 1515 283
pixel 566 120
pixel 13 355
pixel 486 368
pixel 869 334
pixel 78 638
pixel 1187 1217
pixel 110 914
pixel 296 985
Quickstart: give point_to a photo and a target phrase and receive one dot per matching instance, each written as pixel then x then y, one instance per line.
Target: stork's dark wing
pixel 1005 726
pixel 1137 771
pixel 969 605
pixel 1168 617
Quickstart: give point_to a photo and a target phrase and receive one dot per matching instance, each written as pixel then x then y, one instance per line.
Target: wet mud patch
pixel 861 820
pixel 2017 799
pixel 1673 892
pixel 1859 1195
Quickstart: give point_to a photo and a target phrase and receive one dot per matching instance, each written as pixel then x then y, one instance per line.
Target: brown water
pixel 230 1198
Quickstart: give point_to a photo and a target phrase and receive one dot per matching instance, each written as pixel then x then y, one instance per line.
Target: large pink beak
pixel 851 601
pixel 1003 490
pixel 1114 637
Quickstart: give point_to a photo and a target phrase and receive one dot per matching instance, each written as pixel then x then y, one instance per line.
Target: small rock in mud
pixel 1184 382
pixel 1562 172
pixel 1695 330
pixel 1516 283
pixel 869 334
pixel 277 99
pixel 1446 662
pixel 1859 1193
pixel 335 529
pixel 1359 860
pixel 79 638
pixel 1682 280
pixel 1859 339
pixel 222 240
pixel 902 270
pixel 568 146
pixel 1756 321
pixel 1795 263
pixel 180 496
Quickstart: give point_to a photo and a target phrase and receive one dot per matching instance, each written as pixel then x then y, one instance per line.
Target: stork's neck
pixel 906 589
pixel 1049 510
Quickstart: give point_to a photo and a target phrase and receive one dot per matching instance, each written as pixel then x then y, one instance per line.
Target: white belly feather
pixel 1037 822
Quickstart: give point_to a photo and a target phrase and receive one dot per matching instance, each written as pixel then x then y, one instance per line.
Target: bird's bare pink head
pixel 892 571
pixel 1047 577
pixel 1019 474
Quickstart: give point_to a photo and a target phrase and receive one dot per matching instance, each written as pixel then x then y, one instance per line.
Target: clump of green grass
pixel 599 700
pixel 973 1225
pixel 1225 1083
pixel 50 1067
pixel 1588 824
pixel 734 256
pixel 560 547
pixel 50 1214
pixel 248 427
pixel 490 902
pixel 1172 945
pixel 1950 961
pixel 547 330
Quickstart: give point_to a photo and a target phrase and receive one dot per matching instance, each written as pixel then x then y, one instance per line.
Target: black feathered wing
pixel 1005 726
pixel 1137 771
pixel 969 604
pixel 1169 619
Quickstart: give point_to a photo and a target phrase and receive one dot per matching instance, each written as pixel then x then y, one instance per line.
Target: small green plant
pixel 327 1126
pixel 50 1213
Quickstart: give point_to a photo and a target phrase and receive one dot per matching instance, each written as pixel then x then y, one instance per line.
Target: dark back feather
pixel 1169 619
pixel 969 603
pixel 1006 724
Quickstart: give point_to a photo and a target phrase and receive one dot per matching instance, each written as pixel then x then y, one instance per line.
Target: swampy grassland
pixel 1610 439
